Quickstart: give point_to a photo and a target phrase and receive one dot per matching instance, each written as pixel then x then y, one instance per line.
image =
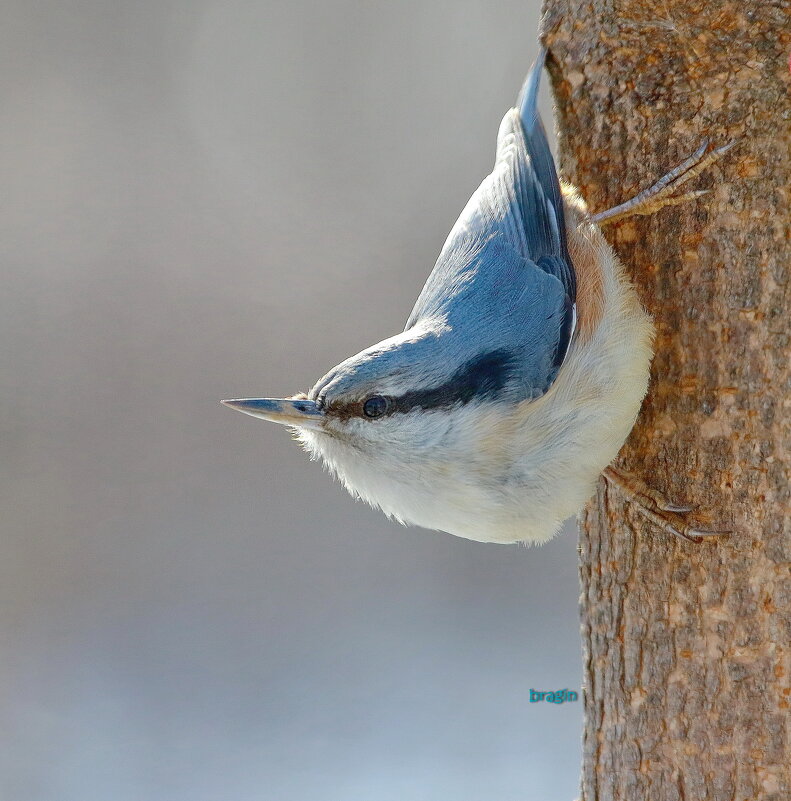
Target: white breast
pixel 496 476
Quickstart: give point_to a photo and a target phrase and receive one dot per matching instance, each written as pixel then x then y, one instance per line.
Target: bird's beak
pixel 298 412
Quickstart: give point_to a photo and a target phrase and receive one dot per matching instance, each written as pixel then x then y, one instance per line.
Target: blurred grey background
pixel 204 200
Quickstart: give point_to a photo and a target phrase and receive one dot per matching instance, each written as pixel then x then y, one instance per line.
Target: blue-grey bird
pixel 521 368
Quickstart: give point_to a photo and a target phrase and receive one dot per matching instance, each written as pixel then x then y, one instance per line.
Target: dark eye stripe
pixel 481 378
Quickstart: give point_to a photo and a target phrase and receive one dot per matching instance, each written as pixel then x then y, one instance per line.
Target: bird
pixel 521 369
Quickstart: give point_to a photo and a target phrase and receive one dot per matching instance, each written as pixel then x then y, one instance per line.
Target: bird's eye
pixel 375 406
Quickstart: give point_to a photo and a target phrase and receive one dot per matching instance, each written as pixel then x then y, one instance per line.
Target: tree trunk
pixel 688 647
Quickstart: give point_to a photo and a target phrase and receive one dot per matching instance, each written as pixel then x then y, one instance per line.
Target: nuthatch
pixel 521 369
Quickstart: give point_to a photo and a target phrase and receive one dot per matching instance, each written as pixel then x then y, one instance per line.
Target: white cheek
pixel 356 466
pixel 392 463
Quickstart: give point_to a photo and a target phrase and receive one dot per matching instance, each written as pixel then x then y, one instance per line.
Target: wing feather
pixel 504 277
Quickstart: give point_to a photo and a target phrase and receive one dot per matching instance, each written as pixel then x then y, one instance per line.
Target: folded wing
pixel 504 279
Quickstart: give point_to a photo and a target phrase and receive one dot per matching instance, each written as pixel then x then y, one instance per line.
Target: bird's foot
pixel 663 192
pixel 655 507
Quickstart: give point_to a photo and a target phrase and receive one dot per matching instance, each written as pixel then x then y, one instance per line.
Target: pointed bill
pixel 298 412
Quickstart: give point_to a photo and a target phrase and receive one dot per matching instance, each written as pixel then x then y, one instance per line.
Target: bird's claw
pixel 653 505
pixel 665 192
pixel 679 510
pixel 696 535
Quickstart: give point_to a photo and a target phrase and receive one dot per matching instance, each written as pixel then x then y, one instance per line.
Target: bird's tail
pixel 538 150
pixel 528 96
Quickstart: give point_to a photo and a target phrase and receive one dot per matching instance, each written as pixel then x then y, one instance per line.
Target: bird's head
pixel 404 411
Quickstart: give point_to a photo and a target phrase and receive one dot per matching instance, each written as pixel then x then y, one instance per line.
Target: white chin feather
pixel 432 499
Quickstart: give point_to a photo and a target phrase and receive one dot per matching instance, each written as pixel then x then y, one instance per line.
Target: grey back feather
pixel 496 316
pixel 504 281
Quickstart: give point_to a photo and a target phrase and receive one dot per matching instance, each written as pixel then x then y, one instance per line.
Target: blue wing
pixel 504 280
pixel 541 203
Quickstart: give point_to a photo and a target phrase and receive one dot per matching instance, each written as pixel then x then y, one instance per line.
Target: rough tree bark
pixel 688 647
